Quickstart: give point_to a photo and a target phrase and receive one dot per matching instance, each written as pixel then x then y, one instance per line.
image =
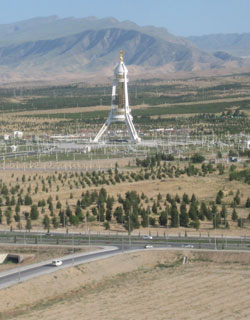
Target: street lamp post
pixel 215 246
pixel 129 229
pixel 87 227
pixel 89 235
pixel 64 220
pixel 148 224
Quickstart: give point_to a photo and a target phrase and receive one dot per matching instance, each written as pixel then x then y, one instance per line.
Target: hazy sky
pixel 181 17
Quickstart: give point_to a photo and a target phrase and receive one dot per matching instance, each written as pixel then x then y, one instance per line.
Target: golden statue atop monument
pixel 121 55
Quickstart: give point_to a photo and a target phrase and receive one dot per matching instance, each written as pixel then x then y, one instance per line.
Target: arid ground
pixel 205 188
pixel 139 285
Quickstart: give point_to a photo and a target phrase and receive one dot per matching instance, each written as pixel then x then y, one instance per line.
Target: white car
pixel 188 246
pixel 56 263
pixel 148 237
pixel 148 246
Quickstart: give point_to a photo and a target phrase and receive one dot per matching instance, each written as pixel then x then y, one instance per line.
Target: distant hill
pixel 234 44
pixel 53 48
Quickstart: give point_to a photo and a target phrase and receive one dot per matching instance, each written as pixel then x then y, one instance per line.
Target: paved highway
pixel 24 273
pixel 77 239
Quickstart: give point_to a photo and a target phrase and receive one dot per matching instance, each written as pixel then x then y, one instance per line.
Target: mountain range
pixel 50 48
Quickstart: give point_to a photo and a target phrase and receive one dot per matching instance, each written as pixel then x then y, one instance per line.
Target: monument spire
pixel 120 110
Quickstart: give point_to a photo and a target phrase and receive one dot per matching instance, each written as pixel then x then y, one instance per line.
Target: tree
pixel 169 198
pixel 108 214
pixel 49 200
pixel 8 215
pixel 26 215
pixel 110 202
pixel 145 219
pixel 55 222
pixel 68 212
pixel 197 158
pixel 51 208
pixel 216 220
pixel 248 202
pixel 193 199
pixel 79 213
pixel 184 219
pixel 214 208
pixel 4 190
pixel 237 198
pixel 58 205
pixel 193 211
pixel 234 215
pixel 106 225
pixel 219 155
pixel 12 201
pixel 223 213
pixel 41 203
pixel 27 200
pixel 154 208
pixel 74 220
pixel 17 208
pixel 174 216
pixel 102 195
pixel 195 224
pixel 28 225
pixel 177 198
pixel 219 197
pixel 204 168
pixel 101 212
pixel 119 214
pixel 240 223
pixel 7 200
pixel 46 222
pixel 163 219
pixel 34 213
pixel 131 222
pixel 17 217
pixel 221 168
pixel 152 221
pixel 185 198
pixel 63 218
pixel 202 213
pixel 143 196
pixel 20 200
pixel 159 197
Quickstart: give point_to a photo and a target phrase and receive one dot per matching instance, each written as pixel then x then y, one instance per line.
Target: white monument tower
pixel 120 111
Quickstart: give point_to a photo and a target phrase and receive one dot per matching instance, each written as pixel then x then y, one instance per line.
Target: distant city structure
pixel 120 110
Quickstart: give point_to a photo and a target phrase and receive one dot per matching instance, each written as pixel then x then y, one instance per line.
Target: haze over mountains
pixel 234 44
pixel 51 48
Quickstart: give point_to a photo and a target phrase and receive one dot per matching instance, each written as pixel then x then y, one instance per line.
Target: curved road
pixel 24 273
pixel 13 276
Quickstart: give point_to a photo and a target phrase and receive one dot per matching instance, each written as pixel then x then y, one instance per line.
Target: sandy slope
pixel 142 285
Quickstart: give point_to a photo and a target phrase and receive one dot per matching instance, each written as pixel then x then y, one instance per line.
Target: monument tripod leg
pixel 102 130
pixel 131 129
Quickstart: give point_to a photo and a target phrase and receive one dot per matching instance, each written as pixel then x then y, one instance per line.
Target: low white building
pixel 13 148
pixel 18 134
pixel 6 137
